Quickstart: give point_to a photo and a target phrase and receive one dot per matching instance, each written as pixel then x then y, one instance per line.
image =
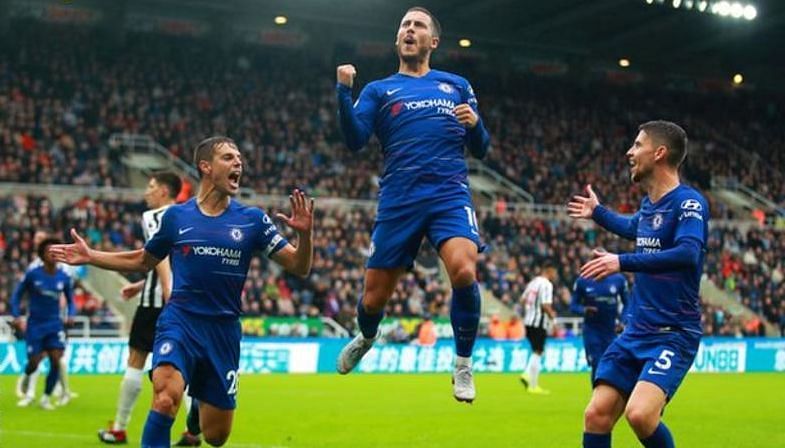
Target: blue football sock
pixel 157 430
pixel 465 318
pixel 369 323
pixel 661 438
pixel 192 421
pixel 51 378
pixel 591 440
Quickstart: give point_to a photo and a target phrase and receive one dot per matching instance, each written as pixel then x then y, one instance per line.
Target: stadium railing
pixel 82 328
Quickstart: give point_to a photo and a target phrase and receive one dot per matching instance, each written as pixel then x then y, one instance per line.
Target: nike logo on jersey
pixel 655 372
pixel 184 230
pixel 392 91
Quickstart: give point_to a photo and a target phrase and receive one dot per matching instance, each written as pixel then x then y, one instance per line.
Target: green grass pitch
pixel 416 411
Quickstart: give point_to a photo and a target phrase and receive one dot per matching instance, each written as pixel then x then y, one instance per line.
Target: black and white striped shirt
pixel 152 296
pixel 538 292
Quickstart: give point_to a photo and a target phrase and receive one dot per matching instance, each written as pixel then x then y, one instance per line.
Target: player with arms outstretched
pixel 43 284
pixel 210 240
pixel 642 369
pixel 424 119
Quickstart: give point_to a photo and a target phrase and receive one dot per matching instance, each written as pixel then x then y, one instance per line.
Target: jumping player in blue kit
pixel 209 240
pixel 424 119
pixel 600 302
pixel 642 369
pixel 43 285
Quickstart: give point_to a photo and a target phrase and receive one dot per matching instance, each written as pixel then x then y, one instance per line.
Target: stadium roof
pixel 655 35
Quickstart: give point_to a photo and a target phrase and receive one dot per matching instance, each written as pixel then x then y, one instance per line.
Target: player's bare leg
pixel 379 287
pixel 168 387
pixel 643 412
pixel 216 423
pixel 130 388
pixel 460 258
pixel 601 415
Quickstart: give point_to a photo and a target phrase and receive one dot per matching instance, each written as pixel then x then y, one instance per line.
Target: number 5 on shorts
pixel 664 361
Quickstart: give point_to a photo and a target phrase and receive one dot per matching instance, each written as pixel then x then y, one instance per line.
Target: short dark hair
pixel 204 150
pixel 436 27
pixel 670 135
pixel 41 250
pixel 547 264
pixel 170 180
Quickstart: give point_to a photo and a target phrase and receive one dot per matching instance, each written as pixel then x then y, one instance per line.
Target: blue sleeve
pixel 477 138
pixel 357 121
pixel 161 243
pixel 684 255
pixel 68 291
pixel 16 297
pixel 269 239
pixel 575 302
pixel 693 215
pixel 620 225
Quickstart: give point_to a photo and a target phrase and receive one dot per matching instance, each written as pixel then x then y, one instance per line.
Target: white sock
pixel 64 375
pixel 129 392
pixel 32 382
pixel 463 361
pixel 534 370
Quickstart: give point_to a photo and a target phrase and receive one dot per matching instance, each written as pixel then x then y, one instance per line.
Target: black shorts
pixel 143 328
pixel 536 337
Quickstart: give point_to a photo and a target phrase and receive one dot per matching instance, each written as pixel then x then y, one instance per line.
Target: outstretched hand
pixel 302 212
pixel 603 265
pixel 582 207
pixel 75 253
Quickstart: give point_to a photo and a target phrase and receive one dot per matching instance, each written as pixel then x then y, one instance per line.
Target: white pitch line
pixel 62 435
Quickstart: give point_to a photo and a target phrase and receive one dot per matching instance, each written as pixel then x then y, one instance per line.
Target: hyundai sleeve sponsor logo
pixel 691 204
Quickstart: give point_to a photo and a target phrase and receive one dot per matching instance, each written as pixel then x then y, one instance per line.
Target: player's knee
pixel 597 420
pixel 641 420
pixel 216 437
pixel 463 275
pixel 166 401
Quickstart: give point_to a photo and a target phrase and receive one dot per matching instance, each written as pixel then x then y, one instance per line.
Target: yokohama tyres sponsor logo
pixel 213 251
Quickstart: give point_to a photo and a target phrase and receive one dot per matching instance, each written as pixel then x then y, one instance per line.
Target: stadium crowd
pixel 61 101
pixel 747 265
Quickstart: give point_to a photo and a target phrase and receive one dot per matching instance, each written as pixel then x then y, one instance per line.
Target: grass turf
pixel 416 411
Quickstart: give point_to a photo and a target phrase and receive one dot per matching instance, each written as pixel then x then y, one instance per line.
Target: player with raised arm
pixel 210 240
pixel 155 289
pixel 642 369
pixel 43 285
pixel 601 303
pixel 424 119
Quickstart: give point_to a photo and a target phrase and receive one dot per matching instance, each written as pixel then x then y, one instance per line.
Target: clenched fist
pixel 346 74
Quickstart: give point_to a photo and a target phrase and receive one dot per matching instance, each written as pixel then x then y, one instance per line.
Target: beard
pixel 420 56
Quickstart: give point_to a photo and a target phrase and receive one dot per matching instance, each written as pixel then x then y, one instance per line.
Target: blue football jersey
pixel 608 295
pixel 43 291
pixel 668 298
pixel 210 256
pixel 422 140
